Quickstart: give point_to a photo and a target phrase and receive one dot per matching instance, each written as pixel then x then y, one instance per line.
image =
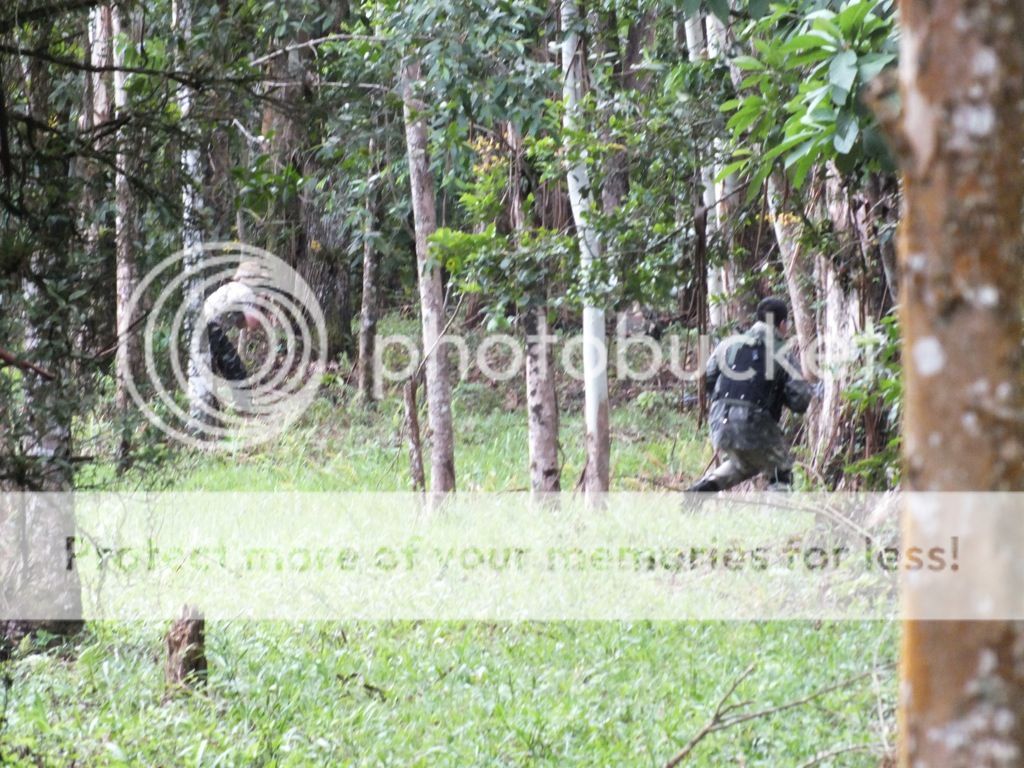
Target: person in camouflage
pixel 751 378
pixel 233 305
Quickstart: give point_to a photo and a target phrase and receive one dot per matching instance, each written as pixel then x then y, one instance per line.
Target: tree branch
pixel 43 13
pixel 720 719
pixel 312 44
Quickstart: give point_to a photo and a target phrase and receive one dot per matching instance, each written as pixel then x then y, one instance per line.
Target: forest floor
pixel 457 694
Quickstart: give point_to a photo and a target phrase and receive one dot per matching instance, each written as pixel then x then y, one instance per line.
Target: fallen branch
pixel 822 756
pixel 721 719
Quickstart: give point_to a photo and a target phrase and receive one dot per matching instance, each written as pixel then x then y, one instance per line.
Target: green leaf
pixel 847 131
pixel 784 146
pixel 730 169
pixel 811 41
pixel 720 8
pixel 748 63
pixel 691 8
pixel 870 65
pixel 842 73
pixel 757 8
pixel 850 17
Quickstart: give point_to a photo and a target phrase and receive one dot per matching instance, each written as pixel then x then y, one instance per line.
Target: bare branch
pixel 43 13
pixel 720 720
pixel 312 44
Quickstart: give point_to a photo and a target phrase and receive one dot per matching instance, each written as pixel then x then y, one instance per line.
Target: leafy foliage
pixel 799 95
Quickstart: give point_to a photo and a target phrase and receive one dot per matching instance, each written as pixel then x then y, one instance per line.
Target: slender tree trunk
pixel 368 311
pixel 962 83
pixel 199 393
pixel 126 238
pixel 439 392
pixel 595 349
pixel 412 436
pixel 797 266
pixel 696 50
pixel 541 395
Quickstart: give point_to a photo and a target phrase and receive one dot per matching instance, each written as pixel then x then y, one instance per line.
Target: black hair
pixel 775 308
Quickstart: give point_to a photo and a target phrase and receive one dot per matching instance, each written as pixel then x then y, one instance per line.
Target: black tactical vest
pixel 749 362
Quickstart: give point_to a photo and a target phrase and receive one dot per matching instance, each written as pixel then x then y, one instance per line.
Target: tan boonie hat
pixel 251 272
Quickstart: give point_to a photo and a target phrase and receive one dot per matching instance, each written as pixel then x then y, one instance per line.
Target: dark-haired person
pixel 751 378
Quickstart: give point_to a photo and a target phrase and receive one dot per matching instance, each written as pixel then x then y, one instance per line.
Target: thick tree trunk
pixel 439 392
pixel 595 349
pixel 961 247
pixel 541 395
pixel 126 238
pixel 368 310
pixel 39 591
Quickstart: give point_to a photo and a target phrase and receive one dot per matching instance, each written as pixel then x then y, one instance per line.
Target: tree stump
pixel 186 650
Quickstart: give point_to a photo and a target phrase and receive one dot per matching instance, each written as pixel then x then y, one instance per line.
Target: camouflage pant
pixel 751 443
pixel 224 358
pixel 226 363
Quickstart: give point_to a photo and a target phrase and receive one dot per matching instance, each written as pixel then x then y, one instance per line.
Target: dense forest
pixel 493 246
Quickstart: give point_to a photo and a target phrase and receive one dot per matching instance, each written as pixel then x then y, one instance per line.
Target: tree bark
pixel 199 393
pixel 39 591
pixel 696 50
pixel 541 395
pixel 412 436
pixel 432 310
pixel 126 239
pixel 368 310
pixel 595 350
pixel 961 245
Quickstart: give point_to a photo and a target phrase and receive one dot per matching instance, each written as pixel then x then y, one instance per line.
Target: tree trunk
pixel 126 238
pixel 541 396
pixel 439 392
pixel 962 83
pixel 412 436
pixel 368 311
pixel 39 591
pixel 696 49
pixel 826 305
pixel 595 350
pixel 199 394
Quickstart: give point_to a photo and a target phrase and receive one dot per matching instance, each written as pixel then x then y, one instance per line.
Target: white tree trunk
pixel 696 50
pixel 432 310
pixel 191 237
pixel 595 350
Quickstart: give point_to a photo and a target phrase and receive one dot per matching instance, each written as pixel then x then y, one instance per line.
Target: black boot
pixel 704 486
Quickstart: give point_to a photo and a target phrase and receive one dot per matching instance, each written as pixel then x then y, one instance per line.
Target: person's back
pixel 751 378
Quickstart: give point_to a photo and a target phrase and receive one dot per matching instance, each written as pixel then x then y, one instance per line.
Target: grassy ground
pixel 433 693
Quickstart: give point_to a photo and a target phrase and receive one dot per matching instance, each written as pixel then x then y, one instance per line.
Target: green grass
pixel 451 694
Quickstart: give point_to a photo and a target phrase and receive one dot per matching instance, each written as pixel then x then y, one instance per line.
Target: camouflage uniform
pixel 222 311
pixel 747 403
